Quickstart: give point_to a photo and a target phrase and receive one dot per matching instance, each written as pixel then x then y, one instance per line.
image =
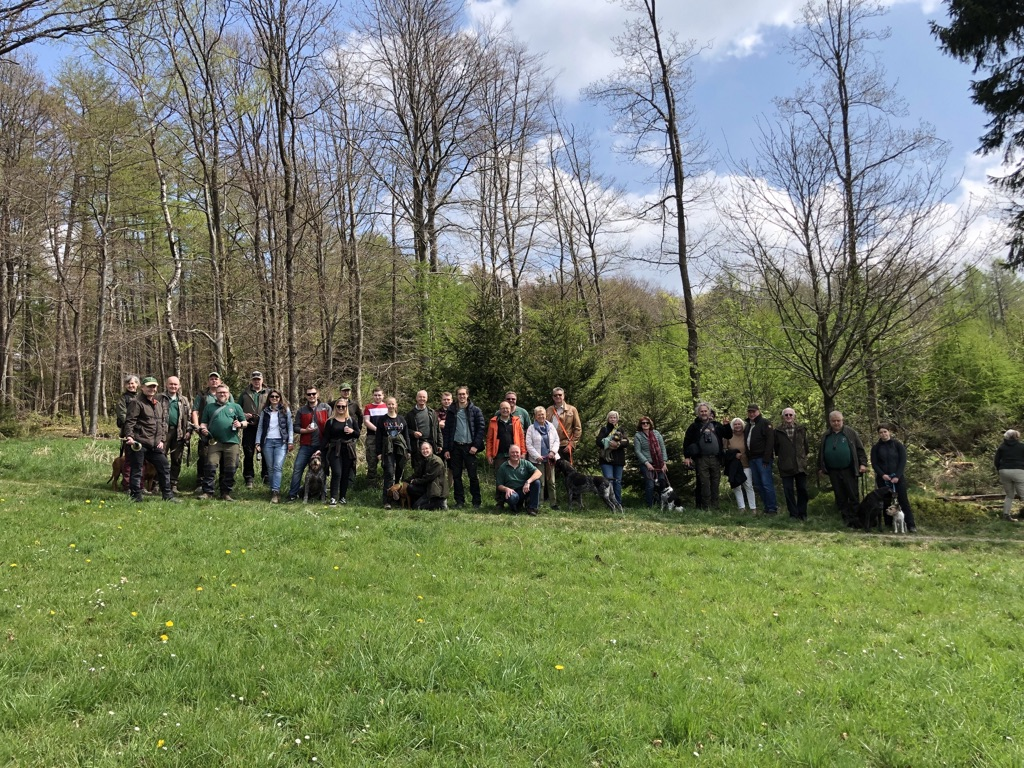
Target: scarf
pixel 657 460
pixel 545 444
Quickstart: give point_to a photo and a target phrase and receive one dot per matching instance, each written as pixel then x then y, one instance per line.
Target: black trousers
pixel 394 468
pixel 462 458
pixel 138 461
pixel 844 486
pixel 795 488
pixel 249 453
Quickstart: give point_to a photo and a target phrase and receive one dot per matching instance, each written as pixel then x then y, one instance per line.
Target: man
pixel 428 488
pixel 198 407
pixel 791 452
pixel 442 413
pixel 517 479
pixel 524 417
pixel 145 433
pixel 179 416
pixel 504 431
pixel 221 424
pixel 703 448
pixel 423 428
pixel 308 422
pixel 760 454
pixel 372 413
pixel 253 400
pixel 566 420
pixel 843 459
pixel 463 439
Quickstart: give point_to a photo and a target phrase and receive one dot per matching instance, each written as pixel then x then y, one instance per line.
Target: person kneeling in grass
pixel 428 488
pixel 517 479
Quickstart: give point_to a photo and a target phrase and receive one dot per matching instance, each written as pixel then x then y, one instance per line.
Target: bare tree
pixel 28 21
pixel 842 215
pixel 647 95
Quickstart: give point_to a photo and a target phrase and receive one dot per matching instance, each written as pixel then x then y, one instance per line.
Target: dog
pixel 869 511
pixel 148 474
pixel 899 522
pixel 577 484
pixel 667 497
pixel 315 484
pixel 399 492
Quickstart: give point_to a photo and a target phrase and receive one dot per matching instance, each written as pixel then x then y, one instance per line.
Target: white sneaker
pixel 333 503
pixel 342 501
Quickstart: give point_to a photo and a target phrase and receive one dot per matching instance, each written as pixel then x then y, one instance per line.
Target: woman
pixel 393 443
pixel 131 391
pixel 1010 465
pixel 741 479
pixel 611 446
pixel 428 488
pixel 889 460
pixel 339 435
pixel 649 447
pixel 274 439
pixel 542 449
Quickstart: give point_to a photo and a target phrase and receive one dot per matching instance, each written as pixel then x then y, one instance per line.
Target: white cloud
pixel 576 35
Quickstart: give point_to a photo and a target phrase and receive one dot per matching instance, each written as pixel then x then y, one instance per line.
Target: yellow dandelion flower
pixel 559 667
pixel 159 743
pixel 227 551
pixel 163 638
pixel 419 621
pixel 243 551
pixel 14 565
pixel 168 623
pixel 335 567
pixel 53 613
pixel 88 501
pixel 134 614
pixel 88 560
pixel 419 597
pixel 233 586
pixel 199 589
pixel 71 546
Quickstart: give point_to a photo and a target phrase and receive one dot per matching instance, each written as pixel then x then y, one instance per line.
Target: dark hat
pixel 212 374
pixel 753 407
pixel 346 385
pixel 256 375
pixel 149 380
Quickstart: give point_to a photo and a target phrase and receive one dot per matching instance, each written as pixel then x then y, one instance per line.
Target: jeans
pixel 795 488
pixel 764 483
pixel 274 450
pixel 613 473
pixel 302 457
pixel 513 501
pixel 650 479
pixel 249 453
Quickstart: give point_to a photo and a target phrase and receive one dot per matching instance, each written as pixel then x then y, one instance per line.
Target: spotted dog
pixel 315 483
pixel 577 484
pixel 667 497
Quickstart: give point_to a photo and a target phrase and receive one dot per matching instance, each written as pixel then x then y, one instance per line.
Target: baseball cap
pixel 753 407
pixel 346 385
pixel 149 380
pixel 212 374
pixel 256 375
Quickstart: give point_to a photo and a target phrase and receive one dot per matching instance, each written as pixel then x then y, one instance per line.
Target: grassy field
pixel 251 634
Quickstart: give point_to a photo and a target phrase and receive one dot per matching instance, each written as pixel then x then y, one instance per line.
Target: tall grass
pixel 250 634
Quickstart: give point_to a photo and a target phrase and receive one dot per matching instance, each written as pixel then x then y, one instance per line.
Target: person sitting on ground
pixel 428 488
pixel 649 447
pixel 1010 466
pixel 889 460
pixel 518 479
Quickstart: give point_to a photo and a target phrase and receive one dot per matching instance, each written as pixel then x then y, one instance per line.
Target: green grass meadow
pixel 251 634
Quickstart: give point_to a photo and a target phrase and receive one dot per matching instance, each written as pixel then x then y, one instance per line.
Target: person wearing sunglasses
pixel 649 447
pixel 308 424
pixel 274 439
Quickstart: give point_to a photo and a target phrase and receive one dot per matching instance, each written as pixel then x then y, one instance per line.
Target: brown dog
pixel 148 474
pixel 400 492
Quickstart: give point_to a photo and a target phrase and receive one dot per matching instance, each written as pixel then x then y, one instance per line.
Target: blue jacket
pixel 477 426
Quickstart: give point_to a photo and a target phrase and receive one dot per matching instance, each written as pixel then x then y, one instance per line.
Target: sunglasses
pixel 340 407
pixel 311 394
pixel 273 397
pixel 645 423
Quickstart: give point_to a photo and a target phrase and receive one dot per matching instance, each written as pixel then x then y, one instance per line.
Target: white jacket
pixel 533 443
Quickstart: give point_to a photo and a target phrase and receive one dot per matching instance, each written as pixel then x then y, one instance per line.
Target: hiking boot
pixel 275 497
pixel 387 506
pixel 532 512
pixel 203 497
pixel 172 499
pixel 248 484
pixel 226 497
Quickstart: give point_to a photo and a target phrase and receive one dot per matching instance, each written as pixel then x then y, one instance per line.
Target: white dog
pixel 899 524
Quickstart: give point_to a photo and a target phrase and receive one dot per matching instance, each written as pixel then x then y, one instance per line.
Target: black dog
pixel 576 484
pixel 666 495
pixel 315 484
pixel 870 510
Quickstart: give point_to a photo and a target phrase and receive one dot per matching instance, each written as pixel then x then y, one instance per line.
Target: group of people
pixel 746 450
pixel 443 444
